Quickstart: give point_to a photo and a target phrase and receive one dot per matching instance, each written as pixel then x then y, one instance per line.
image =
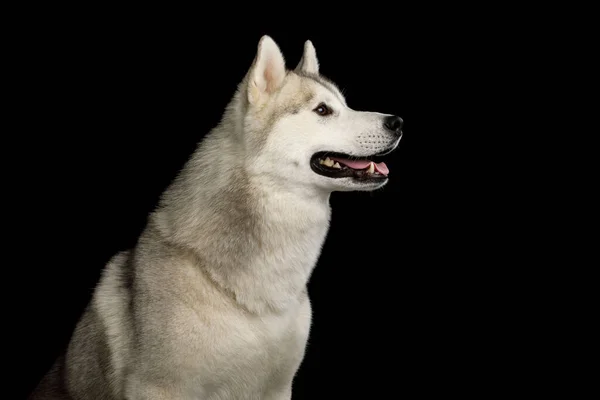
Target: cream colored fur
pixel 212 301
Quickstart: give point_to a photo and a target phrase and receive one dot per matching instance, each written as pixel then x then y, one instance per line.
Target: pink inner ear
pixel 269 75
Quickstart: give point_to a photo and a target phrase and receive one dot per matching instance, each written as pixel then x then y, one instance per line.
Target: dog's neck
pixel 258 242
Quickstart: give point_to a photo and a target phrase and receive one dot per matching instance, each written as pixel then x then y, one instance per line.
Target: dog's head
pixel 298 129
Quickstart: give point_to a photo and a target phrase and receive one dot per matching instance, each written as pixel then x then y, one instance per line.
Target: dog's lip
pixel 370 157
pixel 372 171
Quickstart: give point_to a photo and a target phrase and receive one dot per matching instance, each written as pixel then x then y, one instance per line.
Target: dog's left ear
pixel 308 63
pixel 267 71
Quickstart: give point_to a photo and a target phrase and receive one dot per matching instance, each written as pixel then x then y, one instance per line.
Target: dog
pixel 211 303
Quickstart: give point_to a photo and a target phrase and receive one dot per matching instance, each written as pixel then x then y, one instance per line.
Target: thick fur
pixel 212 302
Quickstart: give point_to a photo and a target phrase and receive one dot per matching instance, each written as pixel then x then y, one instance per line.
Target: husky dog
pixel 212 303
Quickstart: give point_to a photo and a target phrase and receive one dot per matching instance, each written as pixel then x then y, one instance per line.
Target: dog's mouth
pixel 339 165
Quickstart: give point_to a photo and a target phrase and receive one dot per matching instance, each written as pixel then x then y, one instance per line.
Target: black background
pixel 403 294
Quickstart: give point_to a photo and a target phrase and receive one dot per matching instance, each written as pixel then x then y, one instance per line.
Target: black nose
pixel 394 124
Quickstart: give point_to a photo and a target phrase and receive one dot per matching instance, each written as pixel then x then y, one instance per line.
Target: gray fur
pixel 211 303
pixel 323 81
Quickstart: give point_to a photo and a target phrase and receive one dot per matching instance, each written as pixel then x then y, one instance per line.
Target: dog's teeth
pixel 337 165
pixel 328 162
pixel 321 162
pixel 371 168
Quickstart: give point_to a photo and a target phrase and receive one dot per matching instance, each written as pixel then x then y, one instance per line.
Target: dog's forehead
pixel 318 83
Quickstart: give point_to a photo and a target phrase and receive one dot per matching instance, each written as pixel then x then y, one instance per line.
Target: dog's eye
pixel 322 109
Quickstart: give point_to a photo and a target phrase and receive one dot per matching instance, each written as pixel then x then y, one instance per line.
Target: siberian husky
pixel 212 303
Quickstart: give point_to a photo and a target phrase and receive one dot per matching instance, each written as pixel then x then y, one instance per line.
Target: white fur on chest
pixel 230 353
pixel 264 350
pixel 293 231
pixel 255 357
pixel 214 349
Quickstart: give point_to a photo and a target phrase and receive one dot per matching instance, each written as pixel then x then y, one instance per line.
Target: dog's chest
pixel 255 355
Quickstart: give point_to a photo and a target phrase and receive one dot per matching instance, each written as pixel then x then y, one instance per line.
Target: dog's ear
pixel 308 63
pixel 267 71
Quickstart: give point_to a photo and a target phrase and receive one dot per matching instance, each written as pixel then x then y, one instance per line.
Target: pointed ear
pixel 267 72
pixel 308 63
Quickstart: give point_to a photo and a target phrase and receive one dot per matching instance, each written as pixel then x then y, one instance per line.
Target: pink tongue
pixel 362 164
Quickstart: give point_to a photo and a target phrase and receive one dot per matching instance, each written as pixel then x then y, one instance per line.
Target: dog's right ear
pixel 309 62
pixel 267 71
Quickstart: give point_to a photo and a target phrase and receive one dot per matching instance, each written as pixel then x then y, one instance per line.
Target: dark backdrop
pixel 115 107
